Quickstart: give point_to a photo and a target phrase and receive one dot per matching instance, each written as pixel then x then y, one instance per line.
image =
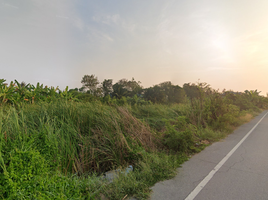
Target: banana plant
pixel 7 93
pixel 24 94
pixel 16 93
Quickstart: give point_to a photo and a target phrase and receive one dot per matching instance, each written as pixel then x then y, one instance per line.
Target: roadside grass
pixel 60 150
pixel 153 168
pixel 246 118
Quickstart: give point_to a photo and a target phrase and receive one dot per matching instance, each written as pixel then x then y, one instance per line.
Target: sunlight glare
pixel 220 44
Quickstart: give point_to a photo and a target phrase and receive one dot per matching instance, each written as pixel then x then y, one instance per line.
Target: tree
pixel 90 82
pixel 107 86
pixel 119 89
pixel 98 92
pixel 127 88
pixel 191 90
pixel 165 92
pixel 134 88
pixel 176 94
pixel 82 89
pixel 155 94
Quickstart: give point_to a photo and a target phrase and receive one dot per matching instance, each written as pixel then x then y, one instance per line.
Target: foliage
pixel 107 87
pixel 51 147
pixel 180 136
pixel 191 90
pixel 152 168
pixel 78 137
pixel 221 111
pixel 165 93
pixel 126 88
pixel 40 139
pixel 22 167
pixel 17 93
pixel 91 82
pixel 249 100
pixel 155 94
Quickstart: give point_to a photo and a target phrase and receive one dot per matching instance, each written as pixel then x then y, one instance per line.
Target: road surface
pixel 235 168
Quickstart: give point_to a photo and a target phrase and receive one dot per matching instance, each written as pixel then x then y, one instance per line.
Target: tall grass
pixel 77 137
pixel 52 150
pixel 43 144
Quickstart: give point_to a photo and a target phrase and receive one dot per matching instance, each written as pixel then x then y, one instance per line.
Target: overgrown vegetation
pixel 57 144
pixel 17 93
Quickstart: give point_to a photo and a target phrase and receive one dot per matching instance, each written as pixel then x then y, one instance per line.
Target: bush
pixel 17 179
pixel 179 136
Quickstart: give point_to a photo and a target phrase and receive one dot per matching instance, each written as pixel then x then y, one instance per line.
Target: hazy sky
pixel 56 42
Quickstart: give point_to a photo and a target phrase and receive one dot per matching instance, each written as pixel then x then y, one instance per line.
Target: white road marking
pixel 203 183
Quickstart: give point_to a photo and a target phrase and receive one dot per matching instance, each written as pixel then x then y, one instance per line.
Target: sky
pixel 56 42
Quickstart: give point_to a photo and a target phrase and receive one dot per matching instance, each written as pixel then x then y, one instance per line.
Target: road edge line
pixel 203 183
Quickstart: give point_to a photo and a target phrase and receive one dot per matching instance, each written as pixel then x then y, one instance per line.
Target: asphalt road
pixel 235 168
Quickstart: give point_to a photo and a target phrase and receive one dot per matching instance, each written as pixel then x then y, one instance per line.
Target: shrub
pixel 179 136
pixel 22 167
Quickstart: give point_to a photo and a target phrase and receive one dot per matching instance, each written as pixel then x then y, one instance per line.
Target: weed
pixel 54 149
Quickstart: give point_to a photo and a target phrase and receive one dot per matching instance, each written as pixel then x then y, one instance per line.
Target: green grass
pixel 151 169
pixel 60 149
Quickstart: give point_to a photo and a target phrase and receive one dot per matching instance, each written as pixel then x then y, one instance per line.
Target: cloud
pixel 9 5
pixel 187 28
pixel 106 36
pixel 115 20
pixel 78 23
pixel 108 19
pixel 96 35
pixel 63 17
pixel 129 27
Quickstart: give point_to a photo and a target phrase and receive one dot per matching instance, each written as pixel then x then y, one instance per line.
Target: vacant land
pixel 55 146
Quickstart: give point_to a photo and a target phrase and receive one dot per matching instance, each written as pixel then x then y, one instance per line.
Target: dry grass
pixel 137 130
pixel 113 143
pixel 246 118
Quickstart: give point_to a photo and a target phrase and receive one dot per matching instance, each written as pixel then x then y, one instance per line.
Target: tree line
pixel 126 92
pixel 165 92
pixel 131 91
